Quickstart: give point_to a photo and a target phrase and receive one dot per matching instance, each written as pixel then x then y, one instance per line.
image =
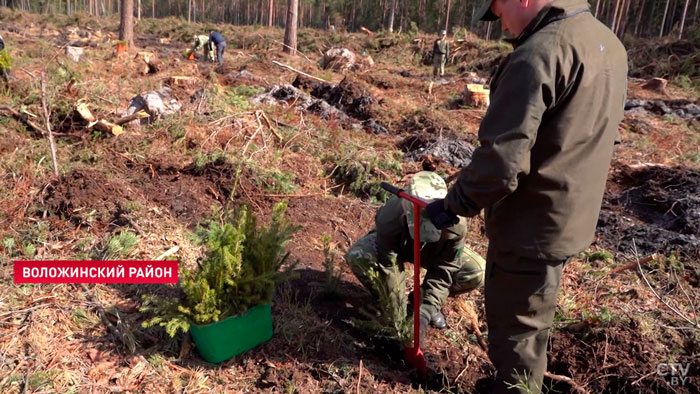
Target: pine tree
pixel 241 270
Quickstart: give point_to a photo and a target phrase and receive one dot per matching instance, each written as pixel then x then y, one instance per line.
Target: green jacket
pixel 395 243
pixel 441 48
pixel 547 139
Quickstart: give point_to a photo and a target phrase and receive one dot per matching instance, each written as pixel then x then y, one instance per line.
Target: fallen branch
pixel 47 120
pixel 22 118
pixel 269 125
pixel 633 264
pixel 289 195
pixel 141 114
pixel 577 387
pixel 297 71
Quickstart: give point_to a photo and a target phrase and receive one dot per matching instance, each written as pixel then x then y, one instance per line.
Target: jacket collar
pixel 554 11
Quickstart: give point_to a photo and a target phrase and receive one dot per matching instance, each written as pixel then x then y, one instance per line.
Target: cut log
pixel 106 127
pixel 656 84
pixel 84 112
pixel 476 96
pixel 181 81
pixel 367 31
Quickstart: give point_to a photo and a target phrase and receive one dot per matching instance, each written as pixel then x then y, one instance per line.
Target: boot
pixel 437 319
pixel 434 316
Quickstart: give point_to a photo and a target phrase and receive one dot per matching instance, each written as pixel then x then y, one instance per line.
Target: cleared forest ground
pixel 155 182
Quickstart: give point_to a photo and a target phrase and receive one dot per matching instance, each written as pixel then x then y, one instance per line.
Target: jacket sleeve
pixel 523 90
pixel 388 224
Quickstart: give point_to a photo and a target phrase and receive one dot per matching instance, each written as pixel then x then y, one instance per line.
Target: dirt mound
pixel 436 151
pixel 86 196
pixel 349 96
pixel 658 207
pixel 290 95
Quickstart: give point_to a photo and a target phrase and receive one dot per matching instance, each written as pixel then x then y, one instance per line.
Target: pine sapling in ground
pixel 391 320
pixel 331 269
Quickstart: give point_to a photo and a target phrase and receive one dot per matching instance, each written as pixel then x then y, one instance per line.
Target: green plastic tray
pixel 234 335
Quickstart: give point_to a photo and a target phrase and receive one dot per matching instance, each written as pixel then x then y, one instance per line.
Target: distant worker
pixel 207 49
pixel 441 51
pixel 5 60
pixel 452 267
pixel 216 39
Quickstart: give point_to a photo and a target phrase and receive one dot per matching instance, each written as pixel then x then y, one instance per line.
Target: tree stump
pixel 476 96
pixel 656 85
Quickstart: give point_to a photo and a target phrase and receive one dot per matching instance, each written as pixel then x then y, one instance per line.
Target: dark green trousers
pixel 520 297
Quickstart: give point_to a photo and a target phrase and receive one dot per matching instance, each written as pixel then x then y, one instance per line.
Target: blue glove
pixel 439 216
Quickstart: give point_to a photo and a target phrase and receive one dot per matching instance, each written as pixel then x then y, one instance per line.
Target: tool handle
pixel 402 194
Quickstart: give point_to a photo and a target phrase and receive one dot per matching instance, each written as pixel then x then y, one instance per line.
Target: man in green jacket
pixel 441 51
pixel 546 143
pixel 202 41
pixel 452 268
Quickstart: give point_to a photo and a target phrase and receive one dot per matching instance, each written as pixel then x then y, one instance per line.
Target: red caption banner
pixel 96 271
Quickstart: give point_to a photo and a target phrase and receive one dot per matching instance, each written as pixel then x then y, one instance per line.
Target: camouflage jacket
pixel 395 243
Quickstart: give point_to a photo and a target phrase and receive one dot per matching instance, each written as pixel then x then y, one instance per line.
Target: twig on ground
pixel 459 375
pixel 633 264
pixel 47 120
pixel 22 118
pixel 687 296
pixel 269 124
pixel 290 68
pixel 168 252
pixel 130 346
pixel 141 114
pixel 577 387
pixel 289 195
pixel 693 324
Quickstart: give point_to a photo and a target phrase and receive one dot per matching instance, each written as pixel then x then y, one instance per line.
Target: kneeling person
pixel 452 268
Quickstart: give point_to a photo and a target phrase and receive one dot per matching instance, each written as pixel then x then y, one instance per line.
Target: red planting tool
pixel 414 355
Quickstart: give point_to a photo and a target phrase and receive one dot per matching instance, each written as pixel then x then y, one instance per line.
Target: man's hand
pixel 439 216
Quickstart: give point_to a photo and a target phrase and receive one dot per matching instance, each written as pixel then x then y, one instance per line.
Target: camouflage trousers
pixel 362 256
pixel 439 65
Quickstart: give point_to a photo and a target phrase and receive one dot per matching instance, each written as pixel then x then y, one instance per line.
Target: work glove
pixel 439 216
